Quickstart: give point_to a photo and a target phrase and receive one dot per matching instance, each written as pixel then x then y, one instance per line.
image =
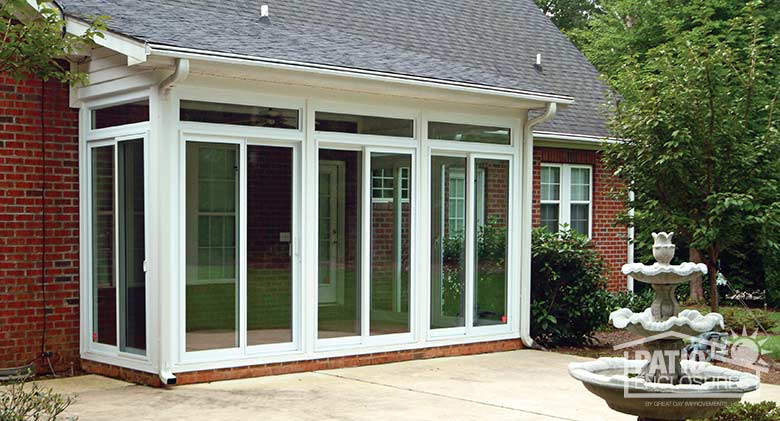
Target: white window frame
pixel 565 201
pixel 90 139
pixel 474 217
pixel 243 349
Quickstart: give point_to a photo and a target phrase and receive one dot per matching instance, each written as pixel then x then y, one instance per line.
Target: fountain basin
pixel 688 322
pixel 663 274
pixel 611 378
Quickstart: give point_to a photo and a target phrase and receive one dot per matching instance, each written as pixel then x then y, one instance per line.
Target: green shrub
pixel 744 411
pixel 751 319
pixel 568 297
pixel 21 401
pixel 636 302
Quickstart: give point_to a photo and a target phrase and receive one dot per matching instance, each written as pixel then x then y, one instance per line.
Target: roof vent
pixel 538 65
pixel 264 11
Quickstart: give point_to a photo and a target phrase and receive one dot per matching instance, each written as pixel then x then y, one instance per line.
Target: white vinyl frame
pixel 89 140
pixel 368 144
pixel 564 201
pixel 473 151
pixel 167 134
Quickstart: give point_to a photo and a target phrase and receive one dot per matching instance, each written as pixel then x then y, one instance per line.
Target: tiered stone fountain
pixel 672 387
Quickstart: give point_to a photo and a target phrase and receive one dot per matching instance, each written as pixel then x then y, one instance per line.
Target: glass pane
pixel 212 221
pixel 132 247
pixel 390 247
pixel 242 115
pixel 362 124
pixel 580 184
pixel 469 133
pixel 551 183
pixel 491 244
pixel 448 242
pixel 117 115
pixel 103 247
pixel 580 218
pixel 549 217
pixel 338 289
pixel 269 245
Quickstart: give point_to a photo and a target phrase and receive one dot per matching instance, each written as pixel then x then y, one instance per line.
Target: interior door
pixel 331 231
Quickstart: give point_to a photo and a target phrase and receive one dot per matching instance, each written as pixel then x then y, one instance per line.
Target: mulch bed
pixel 605 342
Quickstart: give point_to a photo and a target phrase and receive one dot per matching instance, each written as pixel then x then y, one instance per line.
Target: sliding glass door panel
pixel 391 220
pixel 104 288
pixel 339 244
pixel 132 276
pixel 269 245
pixel 491 221
pixel 212 246
pixel 449 193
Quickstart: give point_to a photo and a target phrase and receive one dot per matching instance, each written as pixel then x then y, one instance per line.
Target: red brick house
pixel 246 190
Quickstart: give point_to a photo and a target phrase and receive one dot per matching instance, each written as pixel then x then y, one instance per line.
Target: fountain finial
pixel 663 248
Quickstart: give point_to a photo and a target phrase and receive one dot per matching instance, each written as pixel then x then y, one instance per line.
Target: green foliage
pixel 737 318
pixel 22 401
pixel 32 42
pixel 568 297
pixel 772 278
pixel 762 411
pixel 568 14
pixel 699 84
pixel 637 302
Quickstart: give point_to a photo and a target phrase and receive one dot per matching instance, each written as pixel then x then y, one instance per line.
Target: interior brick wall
pixel 21 240
pixel 610 239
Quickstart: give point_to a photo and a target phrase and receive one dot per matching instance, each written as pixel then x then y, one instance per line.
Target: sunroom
pixel 237 212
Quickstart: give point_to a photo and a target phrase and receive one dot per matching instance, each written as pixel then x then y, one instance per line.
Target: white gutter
pixel 178 76
pixel 583 138
pixel 241 59
pixel 526 223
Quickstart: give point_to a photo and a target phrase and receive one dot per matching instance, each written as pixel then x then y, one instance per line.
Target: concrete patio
pixel 519 385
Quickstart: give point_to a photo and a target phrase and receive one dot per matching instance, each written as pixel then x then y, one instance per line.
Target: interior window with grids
pixel 565 191
pixel 383 182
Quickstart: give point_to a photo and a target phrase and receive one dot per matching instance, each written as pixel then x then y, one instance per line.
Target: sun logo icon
pixel 747 350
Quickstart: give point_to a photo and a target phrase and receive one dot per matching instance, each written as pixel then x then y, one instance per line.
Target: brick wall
pixel 21 204
pixel 609 239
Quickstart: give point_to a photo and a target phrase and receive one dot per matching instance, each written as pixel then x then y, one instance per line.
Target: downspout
pixel 165 373
pixel 178 76
pixel 526 223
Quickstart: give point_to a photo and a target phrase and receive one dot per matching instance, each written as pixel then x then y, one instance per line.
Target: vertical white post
pixel 164 258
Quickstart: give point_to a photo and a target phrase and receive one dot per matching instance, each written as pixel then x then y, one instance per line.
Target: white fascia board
pixel 135 51
pixel 228 58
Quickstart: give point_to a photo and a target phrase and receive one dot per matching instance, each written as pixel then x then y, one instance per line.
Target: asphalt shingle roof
pixel 492 43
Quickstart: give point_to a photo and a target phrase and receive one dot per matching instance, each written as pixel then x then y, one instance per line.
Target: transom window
pixel 566 197
pixel 242 115
pixel 363 124
pixel 469 133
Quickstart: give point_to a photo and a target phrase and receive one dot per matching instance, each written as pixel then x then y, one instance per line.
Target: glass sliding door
pixel 490 261
pixel 212 190
pixel 104 288
pixel 448 241
pixel 132 276
pixel 391 220
pixel 269 245
pixel 117 243
pixel 339 244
